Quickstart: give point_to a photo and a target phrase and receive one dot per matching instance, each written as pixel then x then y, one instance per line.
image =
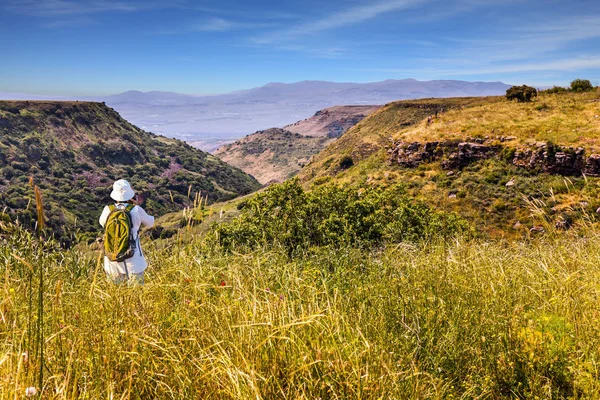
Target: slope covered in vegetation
pixel 364 283
pixel 331 122
pixel 274 155
pixel 76 150
pixel 490 160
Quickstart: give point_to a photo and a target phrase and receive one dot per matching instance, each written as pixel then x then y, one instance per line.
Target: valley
pixel 275 155
pixel 326 200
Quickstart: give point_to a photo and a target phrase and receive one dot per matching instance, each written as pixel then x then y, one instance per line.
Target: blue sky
pixel 90 47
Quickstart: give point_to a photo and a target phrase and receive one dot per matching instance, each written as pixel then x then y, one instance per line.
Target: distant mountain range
pixel 210 121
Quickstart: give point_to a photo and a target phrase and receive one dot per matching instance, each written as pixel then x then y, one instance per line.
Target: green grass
pixel 462 319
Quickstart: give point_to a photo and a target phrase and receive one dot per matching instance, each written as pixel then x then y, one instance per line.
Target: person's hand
pixel 138 199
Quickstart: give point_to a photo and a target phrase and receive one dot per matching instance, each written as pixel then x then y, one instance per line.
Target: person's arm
pixel 104 216
pixel 147 220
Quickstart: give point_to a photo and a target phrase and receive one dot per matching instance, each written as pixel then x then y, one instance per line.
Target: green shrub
pixel 542 107
pixel 556 90
pixel 346 162
pixel 581 85
pixel 522 93
pixel 329 215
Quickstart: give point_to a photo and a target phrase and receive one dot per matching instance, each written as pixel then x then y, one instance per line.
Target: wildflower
pixel 223 283
pixel 25 357
pixel 30 391
pixel 268 290
pixel 12 290
pixel 281 297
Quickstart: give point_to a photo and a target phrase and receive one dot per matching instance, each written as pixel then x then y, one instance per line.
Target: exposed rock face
pixel 415 153
pixel 468 153
pixel 456 155
pixel 567 161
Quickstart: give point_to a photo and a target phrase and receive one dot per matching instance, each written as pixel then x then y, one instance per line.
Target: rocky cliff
pixel 544 157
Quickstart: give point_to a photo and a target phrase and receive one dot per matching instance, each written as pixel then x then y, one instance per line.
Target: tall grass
pixel 463 319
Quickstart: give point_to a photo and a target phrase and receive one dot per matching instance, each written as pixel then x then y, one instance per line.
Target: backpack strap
pixel 112 207
pixel 130 207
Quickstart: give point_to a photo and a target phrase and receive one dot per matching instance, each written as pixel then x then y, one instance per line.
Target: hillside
pixel 75 150
pixel 331 122
pixel 275 155
pixel 506 166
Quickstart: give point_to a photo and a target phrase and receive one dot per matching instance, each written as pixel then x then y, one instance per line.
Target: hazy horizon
pixel 134 90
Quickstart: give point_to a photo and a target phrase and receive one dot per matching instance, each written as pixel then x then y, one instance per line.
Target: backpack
pixel 119 244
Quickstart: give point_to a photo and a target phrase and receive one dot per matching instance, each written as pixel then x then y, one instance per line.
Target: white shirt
pixel 137 263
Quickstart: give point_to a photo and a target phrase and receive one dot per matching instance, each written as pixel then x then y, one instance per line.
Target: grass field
pixel 461 319
pixel 470 317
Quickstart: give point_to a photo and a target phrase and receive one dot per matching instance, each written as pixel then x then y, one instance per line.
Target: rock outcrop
pixel 545 157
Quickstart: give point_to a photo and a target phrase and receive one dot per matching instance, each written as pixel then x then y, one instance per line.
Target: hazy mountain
pixel 209 121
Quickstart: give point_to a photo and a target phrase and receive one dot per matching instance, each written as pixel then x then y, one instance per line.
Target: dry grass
pixel 449 320
pixel 566 119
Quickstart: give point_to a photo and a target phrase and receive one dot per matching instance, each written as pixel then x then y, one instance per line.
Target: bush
pixel 556 90
pixel 329 215
pixel 521 93
pixel 346 162
pixel 581 85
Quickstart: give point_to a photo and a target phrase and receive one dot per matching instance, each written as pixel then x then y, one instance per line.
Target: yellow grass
pixel 450 320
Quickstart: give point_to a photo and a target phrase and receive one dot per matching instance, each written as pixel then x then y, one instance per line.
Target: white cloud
pixel 214 25
pixel 340 19
pixel 576 64
pixel 62 8
pixel 223 25
pixel 533 40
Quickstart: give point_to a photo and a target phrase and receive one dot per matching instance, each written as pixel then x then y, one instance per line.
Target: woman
pixel 132 268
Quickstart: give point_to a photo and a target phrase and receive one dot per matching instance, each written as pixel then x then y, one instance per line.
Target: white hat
pixel 122 191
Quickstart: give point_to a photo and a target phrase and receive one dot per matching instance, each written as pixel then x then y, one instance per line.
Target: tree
pixel 581 85
pixel 521 93
pixel 346 162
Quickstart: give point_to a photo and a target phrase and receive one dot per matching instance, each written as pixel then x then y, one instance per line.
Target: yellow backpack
pixel 119 244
